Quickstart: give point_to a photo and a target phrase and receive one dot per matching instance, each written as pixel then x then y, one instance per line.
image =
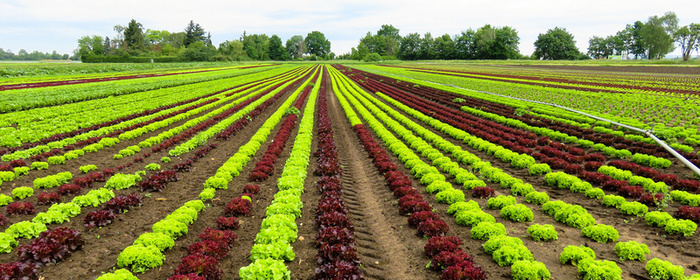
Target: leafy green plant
pixel 140 258
pixel 542 232
pixel 631 250
pixel 161 241
pixel 529 270
pixel 87 168
pixel 574 254
pixel 165 159
pixel 601 233
pixel 21 171
pixel 592 269
pixel 517 213
pixel 216 183
pixel 5 199
pixel 152 167
pixel 6 176
pixel 50 217
pixel 507 255
pixel 664 270
pixel 207 194
pixel 119 274
pixel 22 192
pixel 122 181
pixel 596 193
pixel 39 165
pixel 473 217
pixel 25 229
pixel 612 200
pixel 276 250
pixel 265 269
pixel 501 201
pixel 634 208
pixel 521 189
pixel 538 198
pixel 458 207
pixel 56 160
pixel 657 218
pixel 449 196
pixel 539 169
pixel 680 226
pixel 170 227
pixel 486 230
pixel 498 241
pixel 7 243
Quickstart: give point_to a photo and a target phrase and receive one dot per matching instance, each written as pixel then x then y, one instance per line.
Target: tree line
pixel 134 44
pixel 652 39
pixel 6 55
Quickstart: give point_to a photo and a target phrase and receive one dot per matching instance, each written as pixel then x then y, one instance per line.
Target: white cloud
pixel 47 25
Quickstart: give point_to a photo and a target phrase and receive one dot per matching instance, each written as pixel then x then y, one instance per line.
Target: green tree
pixel 464 45
pixel 657 35
pixel 233 49
pixel 276 50
pixel 198 51
pixel 410 47
pixel 87 46
pixel 601 48
pixel 556 44
pixel 688 37
pixel 256 46
pixel 427 47
pixel 193 33
pixel 444 47
pixel 133 36
pixel 496 43
pixel 296 46
pixel 317 44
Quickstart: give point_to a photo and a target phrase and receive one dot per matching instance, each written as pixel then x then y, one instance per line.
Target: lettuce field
pixel 354 171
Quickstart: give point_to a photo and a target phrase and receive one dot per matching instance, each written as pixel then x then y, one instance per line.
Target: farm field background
pixel 348 171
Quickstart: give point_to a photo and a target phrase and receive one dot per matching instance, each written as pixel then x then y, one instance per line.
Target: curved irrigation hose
pixel 645 132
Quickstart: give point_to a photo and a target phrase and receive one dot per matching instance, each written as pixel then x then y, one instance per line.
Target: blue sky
pixel 56 25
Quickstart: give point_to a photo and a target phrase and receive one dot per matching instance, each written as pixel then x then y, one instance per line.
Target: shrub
pixel 542 232
pixel 486 230
pixel 574 254
pixel 517 213
pixel 601 233
pixel 500 201
pixel 529 270
pixel 631 250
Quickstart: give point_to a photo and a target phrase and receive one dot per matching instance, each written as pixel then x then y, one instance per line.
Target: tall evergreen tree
pixel 133 36
pixel 193 33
